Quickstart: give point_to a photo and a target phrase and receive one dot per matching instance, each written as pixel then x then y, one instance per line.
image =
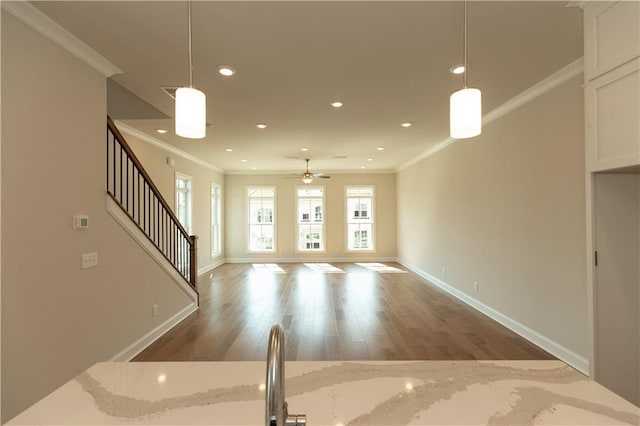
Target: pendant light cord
pixel 464 49
pixel 190 61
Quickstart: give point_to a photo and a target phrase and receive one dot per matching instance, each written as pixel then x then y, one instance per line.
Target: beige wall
pixel 154 160
pixel 57 318
pixel 507 209
pixel 236 216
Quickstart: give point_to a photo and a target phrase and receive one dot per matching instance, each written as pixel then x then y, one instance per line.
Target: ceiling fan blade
pixel 322 176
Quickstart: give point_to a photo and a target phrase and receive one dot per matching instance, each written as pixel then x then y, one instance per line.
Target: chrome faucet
pixel 276 407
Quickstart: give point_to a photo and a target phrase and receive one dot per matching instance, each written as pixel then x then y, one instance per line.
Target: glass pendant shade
pixel 306 179
pixel 191 113
pixel 465 113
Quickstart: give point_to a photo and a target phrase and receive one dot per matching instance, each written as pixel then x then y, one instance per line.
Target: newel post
pixel 193 253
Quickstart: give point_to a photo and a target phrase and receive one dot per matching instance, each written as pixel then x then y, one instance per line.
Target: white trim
pixel 142 343
pixel 248 218
pixel 288 174
pixel 211 266
pixel 189 191
pixel 126 129
pixel 578 3
pixel 590 246
pixel 36 19
pixel 543 86
pixel 123 219
pixel 298 224
pixel 215 188
pixel 374 227
pixel 307 259
pixel 575 360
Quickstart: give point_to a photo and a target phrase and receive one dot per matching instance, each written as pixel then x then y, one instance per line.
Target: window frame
pixel 322 223
pixel 372 219
pixel 249 222
pixel 216 220
pixel 179 175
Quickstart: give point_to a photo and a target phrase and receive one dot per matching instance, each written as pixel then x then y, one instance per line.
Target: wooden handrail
pixel 145 175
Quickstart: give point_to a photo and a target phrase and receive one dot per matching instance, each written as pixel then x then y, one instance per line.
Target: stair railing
pixel 130 186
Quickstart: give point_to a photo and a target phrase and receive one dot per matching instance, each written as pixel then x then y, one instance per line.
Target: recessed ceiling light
pixel 362 167
pixel 244 161
pixel 380 148
pixel 369 159
pixel 337 104
pixel 407 124
pixel 458 69
pixel 254 168
pixel 226 70
pixel 229 149
pixel 304 148
pixel 163 131
pixel 261 126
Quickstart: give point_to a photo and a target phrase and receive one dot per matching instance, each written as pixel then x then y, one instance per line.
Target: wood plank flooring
pixel 356 315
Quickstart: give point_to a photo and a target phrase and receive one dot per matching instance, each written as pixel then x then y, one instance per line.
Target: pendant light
pixel 465 113
pixel 191 105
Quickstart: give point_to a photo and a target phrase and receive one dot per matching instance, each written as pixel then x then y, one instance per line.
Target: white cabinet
pixel 612 90
pixel 612 137
pixel 612 35
pixel 612 106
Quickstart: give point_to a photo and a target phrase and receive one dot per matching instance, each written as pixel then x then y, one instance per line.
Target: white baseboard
pixel 211 266
pixel 307 259
pixel 138 346
pixel 578 362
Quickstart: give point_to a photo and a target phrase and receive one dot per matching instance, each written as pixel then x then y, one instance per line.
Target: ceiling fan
pixel 307 177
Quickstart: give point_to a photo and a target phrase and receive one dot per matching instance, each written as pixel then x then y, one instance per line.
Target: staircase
pixel 131 188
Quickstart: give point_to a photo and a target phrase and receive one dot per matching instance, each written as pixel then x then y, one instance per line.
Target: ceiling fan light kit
pixel 308 177
pixel 465 105
pixel 191 104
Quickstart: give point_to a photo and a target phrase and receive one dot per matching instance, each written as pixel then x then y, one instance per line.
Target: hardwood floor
pixel 356 315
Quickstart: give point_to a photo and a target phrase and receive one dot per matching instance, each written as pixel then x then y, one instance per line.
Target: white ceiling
pixel 387 61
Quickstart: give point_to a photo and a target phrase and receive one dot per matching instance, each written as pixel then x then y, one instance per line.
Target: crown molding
pixel 290 173
pixel 128 130
pixel 554 80
pixel 36 19
pixel 578 3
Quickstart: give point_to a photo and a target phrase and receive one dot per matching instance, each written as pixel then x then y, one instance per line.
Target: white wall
pixel 507 209
pixel 154 160
pixel 57 318
pixel 617 282
pixel 335 234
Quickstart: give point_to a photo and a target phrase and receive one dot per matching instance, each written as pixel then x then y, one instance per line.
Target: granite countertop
pixel 334 393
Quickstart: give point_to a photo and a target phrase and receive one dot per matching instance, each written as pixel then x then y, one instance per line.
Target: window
pixel 261 218
pixel 216 237
pixel 183 200
pixel 360 223
pixel 310 223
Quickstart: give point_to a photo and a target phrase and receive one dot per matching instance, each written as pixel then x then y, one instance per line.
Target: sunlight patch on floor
pixel 268 267
pixel 382 268
pixel 325 268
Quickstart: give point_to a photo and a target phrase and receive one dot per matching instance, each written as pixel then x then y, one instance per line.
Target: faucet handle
pixel 296 420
